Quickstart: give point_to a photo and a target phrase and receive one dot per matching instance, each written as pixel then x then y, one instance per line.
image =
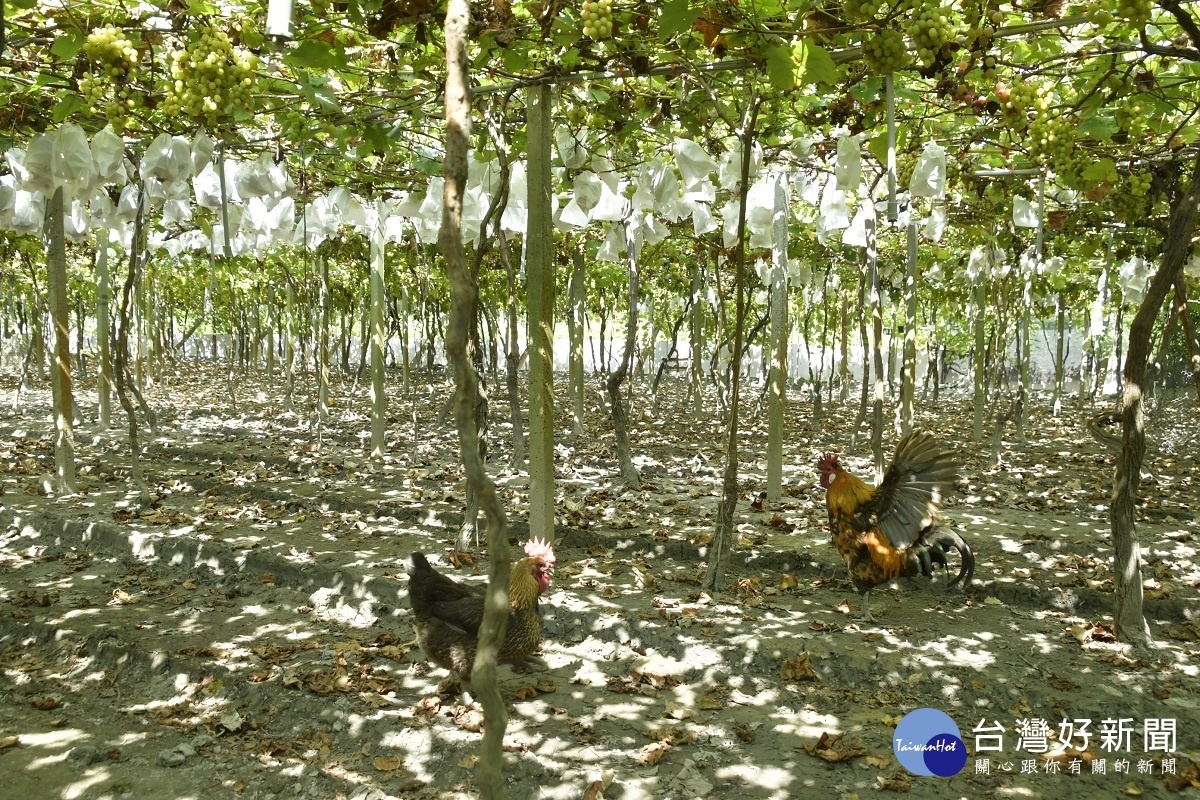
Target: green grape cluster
pixel 980 36
pixel 209 77
pixel 1135 11
pixel 931 28
pixel 1023 101
pixel 1099 15
pixel 597 19
pixel 112 67
pixel 1052 142
pixel 1139 184
pixel 906 164
pixel 886 52
pixel 1130 115
pixel 1127 206
pixel 861 9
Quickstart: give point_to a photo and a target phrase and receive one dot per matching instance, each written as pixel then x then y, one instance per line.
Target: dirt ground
pixel 247 633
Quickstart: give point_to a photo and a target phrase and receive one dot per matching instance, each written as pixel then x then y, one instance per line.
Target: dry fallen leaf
pixel 469 719
pixel 653 753
pixel 121 598
pixel 46 703
pixel 595 788
pixel 897 783
pixel 386 763
pixel 797 668
pixel 677 711
pixel 834 747
pixel 468 761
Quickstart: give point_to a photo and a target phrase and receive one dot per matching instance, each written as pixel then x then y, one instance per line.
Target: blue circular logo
pixel 927 742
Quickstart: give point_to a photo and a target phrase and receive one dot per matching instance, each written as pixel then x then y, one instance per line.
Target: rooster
pixel 448 614
pixel 892 530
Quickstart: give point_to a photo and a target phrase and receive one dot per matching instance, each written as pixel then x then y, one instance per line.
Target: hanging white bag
pixel 848 168
pixel 572 216
pixel 611 206
pixel 935 226
pixel 8 194
pixel 856 234
pixel 929 174
pixel 1025 213
pixel 207 187
pixel 729 222
pixel 760 204
pixel 39 160
pixel 702 218
pixel 71 167
pixel 202 152
pixel 29 212
pixel 571 148
pixel 176 212
pixel 76 221
pixel 128 203
pixel 612 246
pixel 107 151
pixel 587 190
pixel 694 163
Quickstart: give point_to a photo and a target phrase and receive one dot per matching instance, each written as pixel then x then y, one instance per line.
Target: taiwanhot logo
pixel 927 742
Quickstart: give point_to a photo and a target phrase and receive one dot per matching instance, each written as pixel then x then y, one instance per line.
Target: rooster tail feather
pixel 932 549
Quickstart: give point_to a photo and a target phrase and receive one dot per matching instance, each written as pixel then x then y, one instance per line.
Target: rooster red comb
pixel 827 462
pixel 540 548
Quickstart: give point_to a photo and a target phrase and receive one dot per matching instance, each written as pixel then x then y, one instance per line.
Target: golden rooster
pixel 892 531
pixel 448 614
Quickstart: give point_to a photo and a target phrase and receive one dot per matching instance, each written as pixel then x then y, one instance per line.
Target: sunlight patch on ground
pixel 92 777
pixel 804 723
pixel 59 740
pixel 960 652
pixel 761 777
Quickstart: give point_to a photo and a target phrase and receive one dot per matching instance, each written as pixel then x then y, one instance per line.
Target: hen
pixel 448 614
pixel 892 530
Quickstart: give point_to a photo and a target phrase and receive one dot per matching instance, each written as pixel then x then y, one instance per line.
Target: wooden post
pixel 908 382
pixel 777 398
pixel 64 412
pixel 378 397
pixel 103 328
pixel 539 276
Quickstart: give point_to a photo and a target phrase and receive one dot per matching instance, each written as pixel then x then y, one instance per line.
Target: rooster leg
pixel 530 664
pixel 866 607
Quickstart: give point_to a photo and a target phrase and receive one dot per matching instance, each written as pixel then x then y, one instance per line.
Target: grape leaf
pixel 317 93
pixel 376 139
pixel 1102 170
pixel 677 16
pixel 67 45
pixel 781 69
pixel 67 106
pixel 814 63
pixel 313 54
